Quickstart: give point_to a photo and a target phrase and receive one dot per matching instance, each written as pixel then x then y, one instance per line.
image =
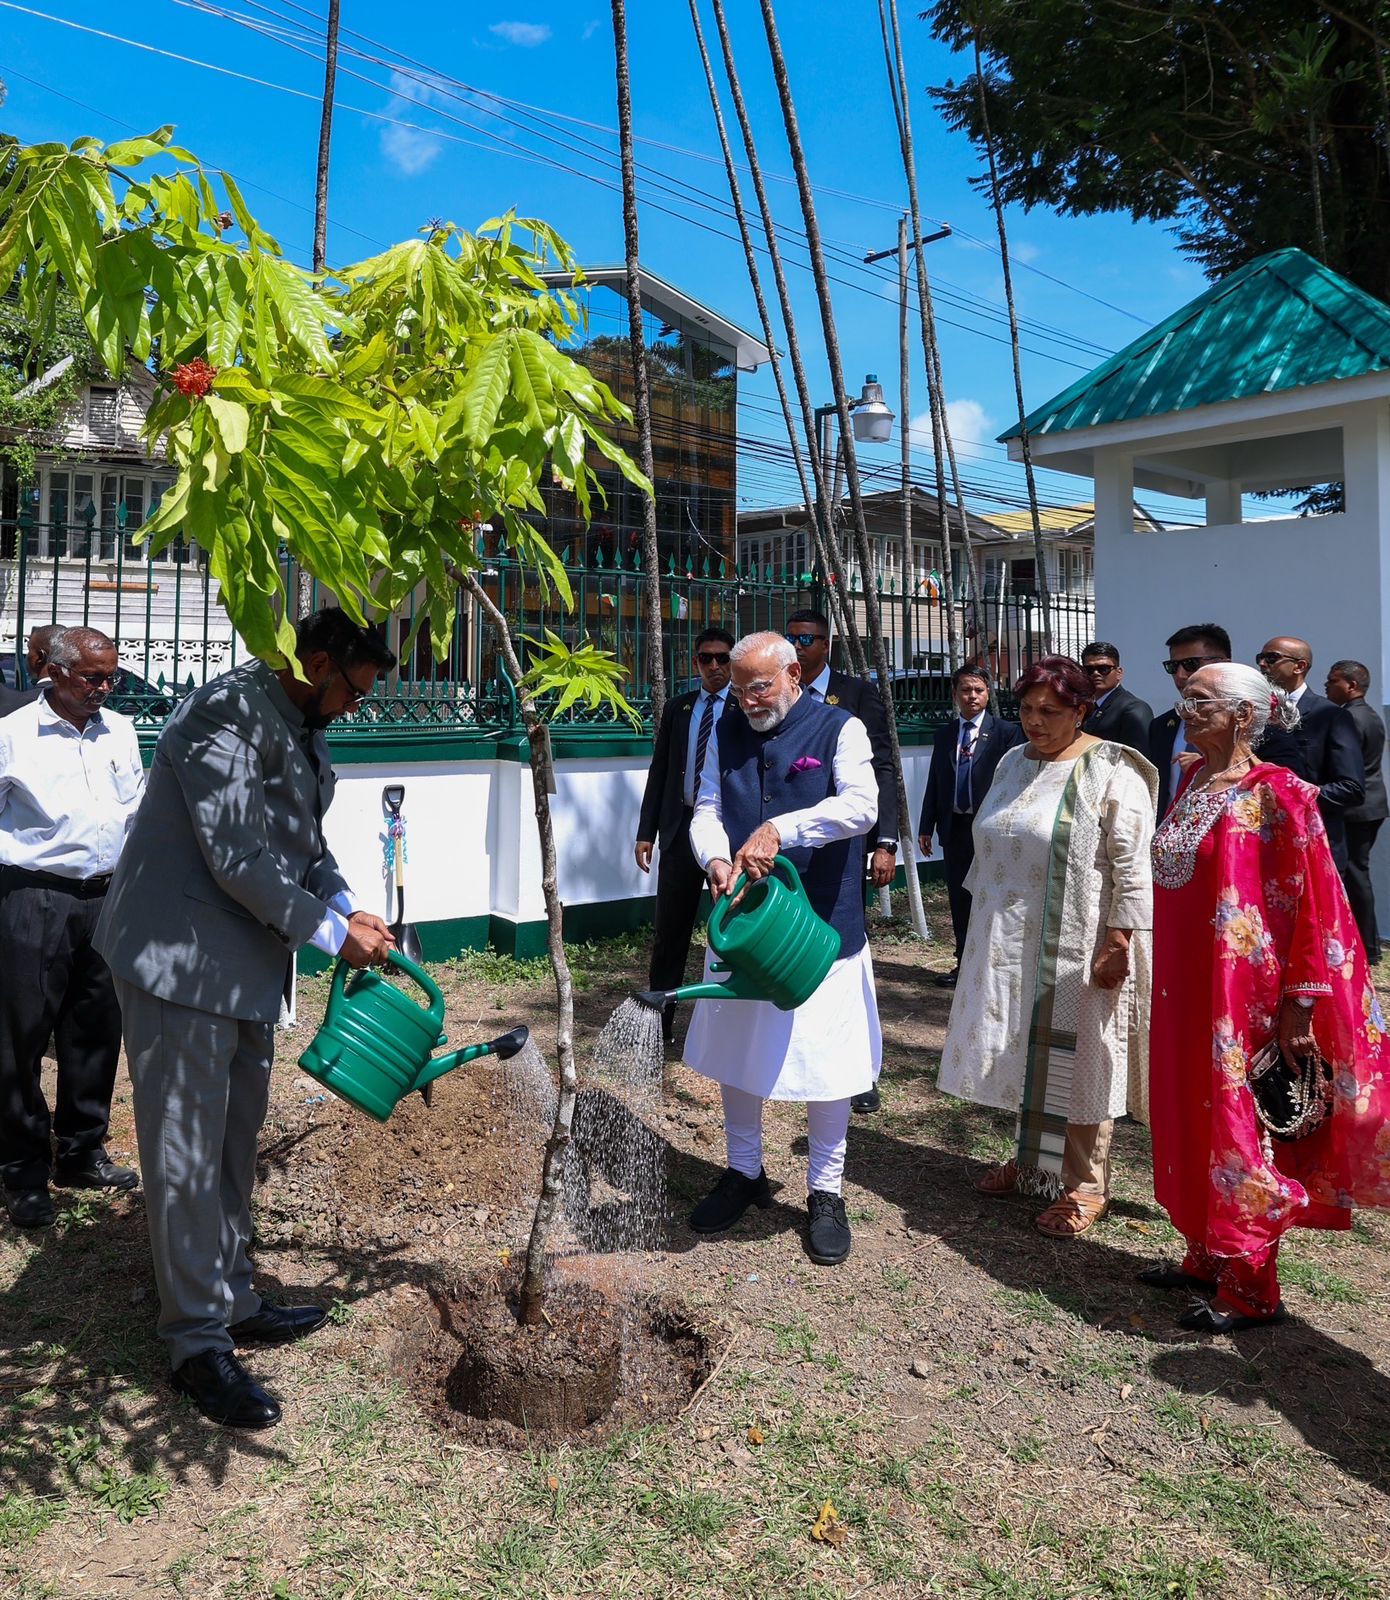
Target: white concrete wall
pixel 471 834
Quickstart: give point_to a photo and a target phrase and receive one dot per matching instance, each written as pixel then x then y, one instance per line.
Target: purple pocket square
pixel 805 764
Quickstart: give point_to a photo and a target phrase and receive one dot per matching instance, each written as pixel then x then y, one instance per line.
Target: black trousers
pixel 1361 838
pixel 957 854
pixel 679 885
pixel 53 984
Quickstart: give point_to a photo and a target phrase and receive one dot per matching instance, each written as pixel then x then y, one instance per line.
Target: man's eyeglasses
pixel 1189 664
pixel 755 691
pixel 96 680
pixel 355 695
pixel 1099 669
pixel 804 641
pixel 1270 658
pixel 712 658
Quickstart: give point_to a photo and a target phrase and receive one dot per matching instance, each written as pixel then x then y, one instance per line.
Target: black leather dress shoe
pixel 222 1389
pixel 728 1200
pixel 829 1239
pixel 95 1172
pixel 278 1324
pixel 946 980
pixel 29 1208
pixel 866 1102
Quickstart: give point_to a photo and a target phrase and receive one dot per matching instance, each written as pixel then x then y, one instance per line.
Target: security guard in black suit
pixel 684 741
pixel 1117 714
pixel 1329 748
pixel 961 772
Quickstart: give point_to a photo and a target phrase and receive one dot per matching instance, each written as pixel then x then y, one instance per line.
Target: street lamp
pixel 872 420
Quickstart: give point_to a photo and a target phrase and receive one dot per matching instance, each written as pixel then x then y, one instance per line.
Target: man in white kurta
pixel 830 1047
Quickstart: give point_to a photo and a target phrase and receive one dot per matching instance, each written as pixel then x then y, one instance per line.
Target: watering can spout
pixel 504 1047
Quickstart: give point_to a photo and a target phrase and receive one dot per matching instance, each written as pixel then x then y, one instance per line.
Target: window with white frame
pixel 95 512
pixel 1076 570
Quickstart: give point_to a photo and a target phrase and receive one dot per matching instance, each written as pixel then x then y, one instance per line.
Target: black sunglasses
pixel 712 658
pixel 1189 664
pixel 1100 669
pixel 1269 658
pixel 357 695
pixel 804 641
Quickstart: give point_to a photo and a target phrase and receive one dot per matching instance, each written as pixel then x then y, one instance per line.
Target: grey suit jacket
pixel 225 872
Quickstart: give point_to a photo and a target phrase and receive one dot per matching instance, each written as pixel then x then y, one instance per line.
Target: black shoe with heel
pixel 728 1200
pixel 225 1392
pixel 278 1324
pixel 95 1171
pixel 828 1240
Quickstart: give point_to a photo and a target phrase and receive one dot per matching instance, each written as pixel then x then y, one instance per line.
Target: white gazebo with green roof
pixel 1276 378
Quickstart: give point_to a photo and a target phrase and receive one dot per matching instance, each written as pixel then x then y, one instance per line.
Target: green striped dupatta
pixel 1065 953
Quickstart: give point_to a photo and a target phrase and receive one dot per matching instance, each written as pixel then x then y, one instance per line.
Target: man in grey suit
pixel 224 876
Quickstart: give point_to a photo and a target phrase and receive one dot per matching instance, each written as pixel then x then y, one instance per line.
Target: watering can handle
pixel 396 959
pixel 779 861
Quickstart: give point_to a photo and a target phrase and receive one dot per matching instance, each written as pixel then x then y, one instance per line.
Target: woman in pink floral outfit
pixel 1253 939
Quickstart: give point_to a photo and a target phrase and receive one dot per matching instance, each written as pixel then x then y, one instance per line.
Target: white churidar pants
pixel 827 1134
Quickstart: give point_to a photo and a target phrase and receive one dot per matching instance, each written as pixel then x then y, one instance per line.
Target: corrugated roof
pixel 1283 321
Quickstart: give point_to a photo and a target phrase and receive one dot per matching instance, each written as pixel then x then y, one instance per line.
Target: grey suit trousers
pixel 202 1084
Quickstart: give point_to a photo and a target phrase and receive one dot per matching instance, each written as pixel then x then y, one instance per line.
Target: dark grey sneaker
pixel 728 1200
pixel 829 1238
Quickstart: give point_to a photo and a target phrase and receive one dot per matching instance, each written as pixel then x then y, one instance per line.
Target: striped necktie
pixel 702 743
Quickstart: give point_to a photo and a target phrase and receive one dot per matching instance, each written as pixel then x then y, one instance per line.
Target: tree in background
pixel 1250 125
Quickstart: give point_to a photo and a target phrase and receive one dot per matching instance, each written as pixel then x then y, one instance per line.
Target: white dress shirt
pixel 848 812
pixel 697 715
pixel 819 684
pixel 1295 695
pixel 1101 699
pixel 67 798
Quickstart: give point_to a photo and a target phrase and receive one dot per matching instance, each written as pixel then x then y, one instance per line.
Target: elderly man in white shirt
pixel 793 777
pixel 70 782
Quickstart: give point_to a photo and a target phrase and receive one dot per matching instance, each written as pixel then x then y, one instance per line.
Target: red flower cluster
pixel 194 377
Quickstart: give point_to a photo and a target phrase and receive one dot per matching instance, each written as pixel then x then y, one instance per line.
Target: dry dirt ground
pixel 989 1413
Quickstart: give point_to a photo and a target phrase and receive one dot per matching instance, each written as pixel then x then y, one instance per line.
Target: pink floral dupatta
pixel 1282 926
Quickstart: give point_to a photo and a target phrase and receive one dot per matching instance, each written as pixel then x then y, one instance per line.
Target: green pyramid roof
pixel 1283 321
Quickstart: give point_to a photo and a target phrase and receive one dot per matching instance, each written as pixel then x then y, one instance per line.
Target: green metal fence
pixel 172 633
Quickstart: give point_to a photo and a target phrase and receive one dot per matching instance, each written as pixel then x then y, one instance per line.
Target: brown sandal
pixel 999 1180
pixel 1072 1215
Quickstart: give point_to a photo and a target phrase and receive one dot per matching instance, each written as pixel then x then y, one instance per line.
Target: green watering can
pixel 374 1046
pixel 772 944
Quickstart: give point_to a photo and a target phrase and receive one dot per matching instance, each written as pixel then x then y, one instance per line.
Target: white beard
pixel 766 720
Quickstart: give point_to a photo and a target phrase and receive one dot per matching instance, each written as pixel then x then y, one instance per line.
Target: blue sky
pixel 1090 285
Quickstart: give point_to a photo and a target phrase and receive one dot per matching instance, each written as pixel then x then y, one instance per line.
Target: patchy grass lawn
pixel 990 1414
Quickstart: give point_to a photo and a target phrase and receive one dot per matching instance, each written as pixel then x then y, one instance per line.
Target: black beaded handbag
pixel 1292 1096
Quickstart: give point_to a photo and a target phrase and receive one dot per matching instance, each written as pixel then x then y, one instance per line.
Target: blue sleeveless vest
pixel 757 782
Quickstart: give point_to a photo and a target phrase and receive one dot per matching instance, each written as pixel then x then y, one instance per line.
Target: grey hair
pixel 1269 707
pixel 65 649
pixel 777 645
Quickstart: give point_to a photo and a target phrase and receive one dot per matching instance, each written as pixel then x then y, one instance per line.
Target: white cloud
pixel 1024 252
pixel 590 29
pixel 409 150
pixel 969 422
pixel 527 35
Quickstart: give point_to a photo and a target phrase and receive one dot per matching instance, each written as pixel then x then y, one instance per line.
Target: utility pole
pixel 904 431
pixel 330 78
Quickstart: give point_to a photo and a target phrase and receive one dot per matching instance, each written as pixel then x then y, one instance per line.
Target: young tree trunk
pixel 330 78
pixel 557 1146
pixel 822 526
pixel 642 404
pixel 837 378
pixel 1039 553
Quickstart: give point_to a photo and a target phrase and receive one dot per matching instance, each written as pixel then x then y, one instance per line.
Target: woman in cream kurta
pixel 1061 871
